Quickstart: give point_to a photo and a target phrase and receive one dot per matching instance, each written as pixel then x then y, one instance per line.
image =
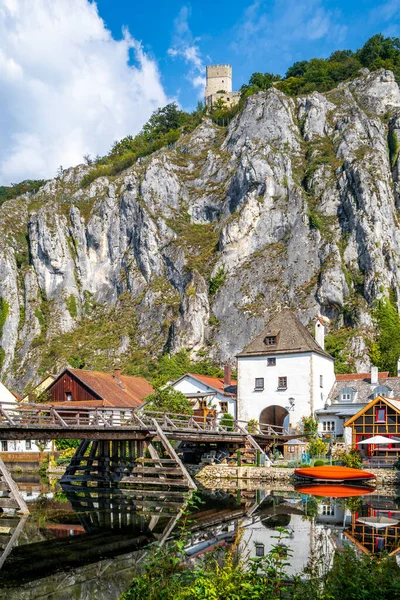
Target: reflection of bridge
pixel 119 443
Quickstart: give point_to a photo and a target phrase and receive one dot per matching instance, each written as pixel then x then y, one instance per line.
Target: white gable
pixel 6 395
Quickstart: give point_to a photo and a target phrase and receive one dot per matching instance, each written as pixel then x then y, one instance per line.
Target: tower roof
pixel 290 337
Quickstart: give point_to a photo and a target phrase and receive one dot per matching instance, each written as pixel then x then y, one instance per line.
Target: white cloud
pixel 68 88
pixel 185 46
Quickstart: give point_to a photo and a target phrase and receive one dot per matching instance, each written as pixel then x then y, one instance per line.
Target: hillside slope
pixel 196 246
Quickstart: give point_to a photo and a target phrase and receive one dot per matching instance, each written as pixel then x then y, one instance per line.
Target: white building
pixel 7 397
pixel 284 374
pixel 203 391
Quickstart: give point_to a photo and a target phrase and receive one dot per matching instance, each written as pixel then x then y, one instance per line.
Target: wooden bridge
pixel 129 446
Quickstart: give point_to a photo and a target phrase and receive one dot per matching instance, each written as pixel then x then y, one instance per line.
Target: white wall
pixel 190 385
pixel 20 446
pixel 302 371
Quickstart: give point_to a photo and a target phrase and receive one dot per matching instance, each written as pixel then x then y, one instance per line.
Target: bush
pixel 227 421
pixel 319 463
pixel 316 447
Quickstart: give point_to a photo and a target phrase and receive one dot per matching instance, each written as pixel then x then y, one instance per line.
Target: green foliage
pixel 393 144
pixel 321 74
pixel 252 426
pixel 310 425
pixel 385 352
pixel 17 189
pixel 319 463
pixel 335 343
pixel 71 305
pixel 214 283
pixel 316 447
pixel 4 310
pixel 352 459
pixel 65 444
pixel 170 401
pixel 227 421
pixel 169 368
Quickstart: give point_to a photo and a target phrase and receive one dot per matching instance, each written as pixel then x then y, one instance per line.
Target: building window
pixel 28 445
pixel 321 381
pixel 259 383
pixel 4 446
pixel 282 383
pixel 260 549
pixel 271 362
pixel 68 396
pixel 380 415
pixel 203 404
pixel 224 406
pixel 328 510
pixel 271 340
pixel 328 426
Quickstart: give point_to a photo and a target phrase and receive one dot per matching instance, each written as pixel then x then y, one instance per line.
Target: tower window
pixel 260 549
pixel 282 383
pixel 321 381
pixel 259 383
pixel 271 362
pixel 68 396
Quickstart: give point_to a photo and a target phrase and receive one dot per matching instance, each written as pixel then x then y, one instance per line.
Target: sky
pixel 76 75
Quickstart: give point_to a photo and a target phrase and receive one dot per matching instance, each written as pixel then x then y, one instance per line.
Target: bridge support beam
pixel 13 497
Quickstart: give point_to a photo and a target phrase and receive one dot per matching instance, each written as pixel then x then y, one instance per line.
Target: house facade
pixel 205 392
pixel 381 416
pixel 350 394
pixel 284 374
pixel 77 387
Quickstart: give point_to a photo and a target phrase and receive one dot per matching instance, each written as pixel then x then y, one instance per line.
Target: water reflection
pixel 97 536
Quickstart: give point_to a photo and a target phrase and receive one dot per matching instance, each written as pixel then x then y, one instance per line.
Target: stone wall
pixel 212 472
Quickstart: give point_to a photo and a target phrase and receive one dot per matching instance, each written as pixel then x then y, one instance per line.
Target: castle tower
pixel 219 85
pixel 219 79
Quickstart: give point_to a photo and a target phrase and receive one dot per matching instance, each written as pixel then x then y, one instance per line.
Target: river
pixel 81 544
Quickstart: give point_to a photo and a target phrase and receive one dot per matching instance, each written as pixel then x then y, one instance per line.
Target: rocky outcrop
pixel 294 204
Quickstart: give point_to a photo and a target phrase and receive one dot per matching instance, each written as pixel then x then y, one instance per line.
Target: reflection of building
pixel 375 526
pixel 284 373
pixel 349 394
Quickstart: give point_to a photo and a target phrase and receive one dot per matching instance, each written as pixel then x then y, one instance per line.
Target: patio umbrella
pixel 380 439
pixel 378 522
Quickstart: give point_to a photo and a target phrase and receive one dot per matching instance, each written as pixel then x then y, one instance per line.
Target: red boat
pixel 334 491
pixel 333 473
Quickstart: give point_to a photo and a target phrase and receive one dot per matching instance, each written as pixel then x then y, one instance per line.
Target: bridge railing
pixel 45 415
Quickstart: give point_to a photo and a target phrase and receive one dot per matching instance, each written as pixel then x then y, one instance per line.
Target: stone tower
pixel 219 79
pixel 219 85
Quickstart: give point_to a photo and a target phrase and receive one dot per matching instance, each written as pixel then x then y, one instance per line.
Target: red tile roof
pixel 215 382
pixel 360 376
pixel 124 391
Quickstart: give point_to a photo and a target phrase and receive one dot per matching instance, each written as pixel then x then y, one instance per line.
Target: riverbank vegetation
pixel 228 575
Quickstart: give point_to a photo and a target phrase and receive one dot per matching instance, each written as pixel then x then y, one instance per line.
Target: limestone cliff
pixel 294 204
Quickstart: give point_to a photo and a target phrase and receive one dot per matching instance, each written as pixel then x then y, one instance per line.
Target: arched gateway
pixel 274 415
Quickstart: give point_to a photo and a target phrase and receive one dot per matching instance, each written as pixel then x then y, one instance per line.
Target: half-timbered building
pixel 381 417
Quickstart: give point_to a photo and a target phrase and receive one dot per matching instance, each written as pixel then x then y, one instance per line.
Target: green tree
pixel 385 352
pixel 168 400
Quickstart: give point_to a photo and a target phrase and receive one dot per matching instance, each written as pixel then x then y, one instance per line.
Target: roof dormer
pixel 347 394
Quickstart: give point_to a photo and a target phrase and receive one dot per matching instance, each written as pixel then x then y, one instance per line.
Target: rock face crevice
pixel 296 202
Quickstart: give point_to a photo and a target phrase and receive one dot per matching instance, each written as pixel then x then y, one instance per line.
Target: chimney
pixel 227 375
pixel 117 373
pixel 374 375
pixel 320 333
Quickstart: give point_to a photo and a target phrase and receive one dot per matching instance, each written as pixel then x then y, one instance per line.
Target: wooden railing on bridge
pixel 44 416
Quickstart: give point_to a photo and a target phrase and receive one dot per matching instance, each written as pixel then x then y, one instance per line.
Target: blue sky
pixel 76 75
pixel 252 36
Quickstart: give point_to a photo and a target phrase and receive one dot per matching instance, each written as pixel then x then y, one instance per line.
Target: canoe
pixel 333 473
pixel 334 491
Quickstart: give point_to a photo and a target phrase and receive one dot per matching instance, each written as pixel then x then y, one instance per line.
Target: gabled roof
pixel 361 383
pixel 291 337
pixel 215 383
pixel 389 401
pixel 125 390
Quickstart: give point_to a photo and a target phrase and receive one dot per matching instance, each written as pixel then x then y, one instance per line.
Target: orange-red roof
pixel 360 376
pixel 124 391
pixel 215 382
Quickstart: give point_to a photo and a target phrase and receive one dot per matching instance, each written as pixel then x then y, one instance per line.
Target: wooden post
pixel 15 493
